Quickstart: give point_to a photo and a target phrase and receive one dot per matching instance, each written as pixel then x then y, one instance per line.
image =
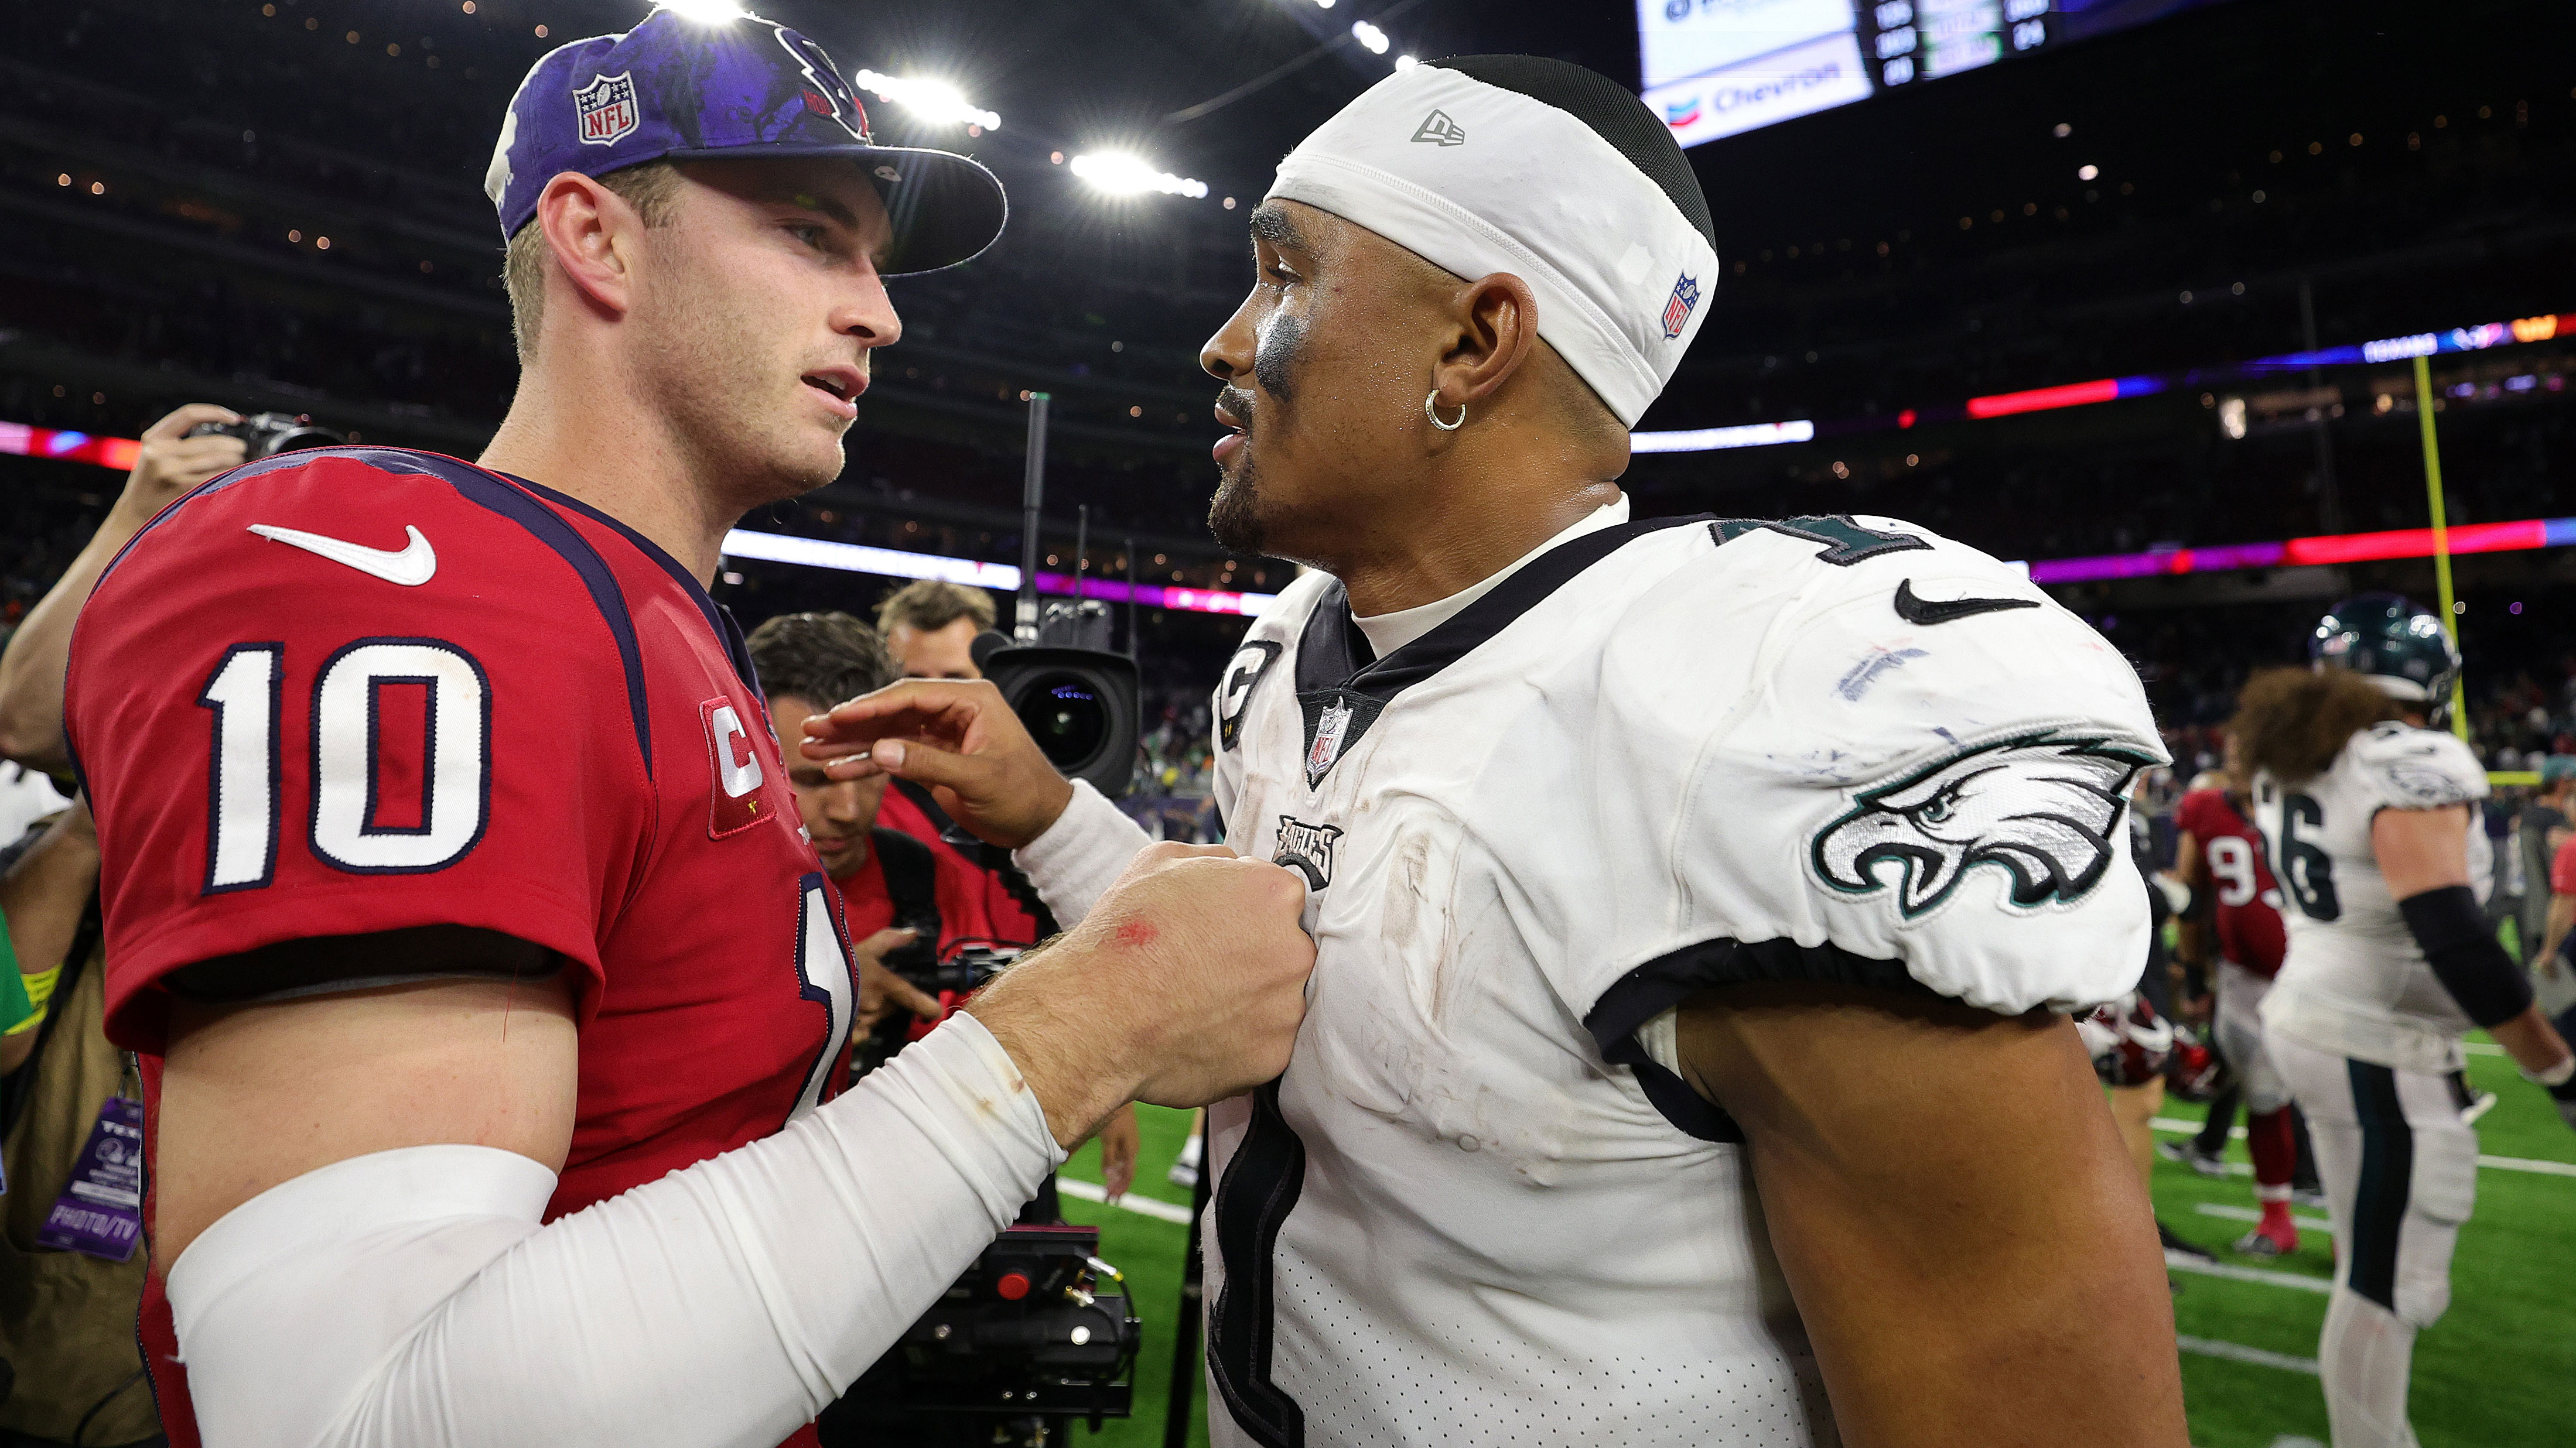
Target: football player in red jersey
pixel 2220 856
pixel 500 1093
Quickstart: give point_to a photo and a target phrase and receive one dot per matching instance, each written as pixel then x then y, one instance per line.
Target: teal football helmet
pixel 2402 648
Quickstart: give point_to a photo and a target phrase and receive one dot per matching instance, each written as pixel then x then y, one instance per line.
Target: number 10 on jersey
pixel 354 824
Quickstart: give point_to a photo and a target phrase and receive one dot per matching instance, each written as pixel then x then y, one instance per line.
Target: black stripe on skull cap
pixel 1610 110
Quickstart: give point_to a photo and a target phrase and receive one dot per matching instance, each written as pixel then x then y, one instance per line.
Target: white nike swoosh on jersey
pixel 410 566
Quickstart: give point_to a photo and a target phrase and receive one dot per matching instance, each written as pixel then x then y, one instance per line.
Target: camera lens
pixel 1066 716
pixel 296 439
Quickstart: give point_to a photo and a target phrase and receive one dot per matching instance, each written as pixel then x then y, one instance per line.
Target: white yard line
pixel 2238 1352
pixel 2481 1048
pixel 1159 1210
pixel 2185 1262
pixel 2249 1214
pixel 2174 1126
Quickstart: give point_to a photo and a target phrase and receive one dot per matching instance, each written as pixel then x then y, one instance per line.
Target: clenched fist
pixel 1184 985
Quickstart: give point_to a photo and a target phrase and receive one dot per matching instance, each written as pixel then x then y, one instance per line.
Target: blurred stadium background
pixel 2158 301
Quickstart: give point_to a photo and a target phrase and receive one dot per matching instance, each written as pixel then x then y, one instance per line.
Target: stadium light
pixel 1404 63
pixel 1370 36
pixel 932 100
pixel 705 12
pixel 1323 4
pixel 1122 174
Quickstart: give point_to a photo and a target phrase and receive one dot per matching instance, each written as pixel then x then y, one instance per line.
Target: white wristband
pixel 2556 1076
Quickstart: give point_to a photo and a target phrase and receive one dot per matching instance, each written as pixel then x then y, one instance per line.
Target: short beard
pixel 1235 515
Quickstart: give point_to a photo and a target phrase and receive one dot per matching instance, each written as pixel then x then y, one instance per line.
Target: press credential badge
pixel 100 1212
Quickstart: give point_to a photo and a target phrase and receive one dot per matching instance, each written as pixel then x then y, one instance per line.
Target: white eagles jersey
pixel 1659 757
pixel 2355 983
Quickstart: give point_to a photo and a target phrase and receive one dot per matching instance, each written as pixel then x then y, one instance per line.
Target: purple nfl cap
pixel 744 88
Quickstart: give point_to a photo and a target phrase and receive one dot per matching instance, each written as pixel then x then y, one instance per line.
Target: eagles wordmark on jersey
pixel 1659 757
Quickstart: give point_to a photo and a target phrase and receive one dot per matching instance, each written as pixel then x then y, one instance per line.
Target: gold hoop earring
pixel 1428 398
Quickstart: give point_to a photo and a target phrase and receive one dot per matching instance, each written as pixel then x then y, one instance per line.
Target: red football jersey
pixel 360 689
pixel 2249 905
pixel 958 894
pixel 978 903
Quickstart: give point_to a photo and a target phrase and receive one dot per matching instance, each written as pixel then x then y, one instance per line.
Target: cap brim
pixel 946 208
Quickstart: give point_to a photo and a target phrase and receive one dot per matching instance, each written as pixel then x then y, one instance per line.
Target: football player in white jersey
pixel 1685 891
pixel 2369 818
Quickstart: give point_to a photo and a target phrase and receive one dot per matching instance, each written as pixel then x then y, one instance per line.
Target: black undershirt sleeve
pixel 2464 954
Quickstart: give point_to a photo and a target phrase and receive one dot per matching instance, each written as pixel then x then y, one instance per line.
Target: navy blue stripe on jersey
pixel 1331 647
pixel 221 481
pixel 490 491
pixel 2387 1171
pixel 718 617
pixel 1666 981
pixel 1261 1187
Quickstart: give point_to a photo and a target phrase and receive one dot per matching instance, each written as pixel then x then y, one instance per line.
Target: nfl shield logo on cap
pixel 605 109
pixel 682 86
pixel 1677 308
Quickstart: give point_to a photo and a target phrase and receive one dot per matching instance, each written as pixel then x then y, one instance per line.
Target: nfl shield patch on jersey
pixel 1677 307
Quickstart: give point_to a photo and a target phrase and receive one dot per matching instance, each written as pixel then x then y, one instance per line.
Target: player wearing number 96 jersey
pixel 358 690
pixel 2370 818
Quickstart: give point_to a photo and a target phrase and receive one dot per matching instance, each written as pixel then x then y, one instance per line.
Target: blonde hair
pixel 651 187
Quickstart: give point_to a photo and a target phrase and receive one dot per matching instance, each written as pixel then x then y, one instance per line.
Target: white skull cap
pixel 1478 179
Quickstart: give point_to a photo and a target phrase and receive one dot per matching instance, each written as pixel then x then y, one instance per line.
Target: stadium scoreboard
pixel 1716 68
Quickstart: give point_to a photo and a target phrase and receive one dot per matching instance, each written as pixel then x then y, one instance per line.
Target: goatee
pixel 1235 514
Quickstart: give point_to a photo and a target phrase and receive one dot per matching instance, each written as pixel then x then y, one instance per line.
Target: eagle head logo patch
pixel 2045 809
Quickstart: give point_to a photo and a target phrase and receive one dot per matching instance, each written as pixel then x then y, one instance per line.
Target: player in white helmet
pixel 2369 819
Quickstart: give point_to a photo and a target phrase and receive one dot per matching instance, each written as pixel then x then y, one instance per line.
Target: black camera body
pixel 1031 1328
pixel 266 434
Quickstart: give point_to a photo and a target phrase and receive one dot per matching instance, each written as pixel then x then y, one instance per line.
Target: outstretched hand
pixel 959 738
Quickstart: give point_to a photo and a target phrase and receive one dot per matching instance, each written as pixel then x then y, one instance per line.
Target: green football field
pixel 2494 1373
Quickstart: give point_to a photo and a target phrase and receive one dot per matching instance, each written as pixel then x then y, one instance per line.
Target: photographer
pixel 929 627
pixel 67 1316
pixel 901 898
pixel 70 1274
pixel 31 670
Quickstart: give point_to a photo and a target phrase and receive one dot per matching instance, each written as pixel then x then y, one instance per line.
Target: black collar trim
pixel 1333 678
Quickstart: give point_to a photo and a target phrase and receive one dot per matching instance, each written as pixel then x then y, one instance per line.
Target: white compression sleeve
pixel 411 1298
pixel 1081 855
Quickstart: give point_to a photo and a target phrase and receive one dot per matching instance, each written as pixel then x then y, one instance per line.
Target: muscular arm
pixel 1969 1246
pixel 2424 851
pixel 405 1137
pixel 257 1094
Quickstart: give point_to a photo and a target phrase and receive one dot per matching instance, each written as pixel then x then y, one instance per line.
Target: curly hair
pixel 821 658
pixel 2294 722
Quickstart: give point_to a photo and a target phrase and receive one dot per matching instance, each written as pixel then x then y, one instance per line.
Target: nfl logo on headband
pixel 1677 308
pixel 604 110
